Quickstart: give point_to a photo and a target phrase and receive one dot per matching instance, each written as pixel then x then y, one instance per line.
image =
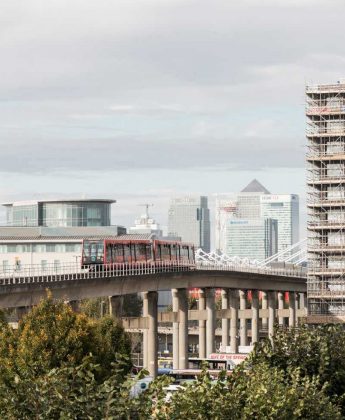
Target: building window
pixel 57 265
pixel 44 265
pixel 11 248
pixel 72 247
pixel 50 247
pixel 5 266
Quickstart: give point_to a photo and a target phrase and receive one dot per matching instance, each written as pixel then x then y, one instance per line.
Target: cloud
pixel 161 83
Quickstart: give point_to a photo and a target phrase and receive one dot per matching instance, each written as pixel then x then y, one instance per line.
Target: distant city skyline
pixel 198 106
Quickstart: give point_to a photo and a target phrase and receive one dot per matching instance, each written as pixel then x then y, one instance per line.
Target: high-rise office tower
pixel 255 239
pixel 248 200
pixel 189 218
pixel 225 210
pixel 246 212
pixel 285 209
pixel 325 111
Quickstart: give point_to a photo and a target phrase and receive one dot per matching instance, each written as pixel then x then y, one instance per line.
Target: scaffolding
pixel 325 112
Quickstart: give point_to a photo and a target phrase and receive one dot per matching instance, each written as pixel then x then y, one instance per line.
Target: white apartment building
pixel 47 246
pixel 285 209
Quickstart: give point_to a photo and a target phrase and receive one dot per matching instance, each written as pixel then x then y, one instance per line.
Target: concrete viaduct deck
pixel 19 293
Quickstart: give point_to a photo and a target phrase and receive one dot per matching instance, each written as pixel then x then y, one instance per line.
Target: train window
pixel 141 252
pixel 173 252
pixel 184 251
pixel 93 249
pixel 127 253
pixel 118 250
pixel 149 255
pixel 166 250
pixel 108 253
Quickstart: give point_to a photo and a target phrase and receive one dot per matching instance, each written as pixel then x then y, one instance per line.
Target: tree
pixel 316 351
pixel 52 336
pixel 260 393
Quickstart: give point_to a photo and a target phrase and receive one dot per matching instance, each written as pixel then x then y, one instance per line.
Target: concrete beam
pixel 140 323
pixel 29 294
pixel 202 324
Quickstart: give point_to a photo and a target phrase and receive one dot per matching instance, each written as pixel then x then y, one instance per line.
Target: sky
pixel 147 99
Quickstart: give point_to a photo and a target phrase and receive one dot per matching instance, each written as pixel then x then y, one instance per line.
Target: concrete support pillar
pixel 210 323
pixel 183 329
pixel 292 309
pixel 145 331
pixel 281 306
pixel 22 311
pixel 152 335
pixel 74 304
pixel 202 325
pixel 255 316
pixel 234 320
pixel 264 305
pixel 302 300
pixel 175 338
pixel 115 306
pixel 243 321
pixel 271 313
pixel 225 321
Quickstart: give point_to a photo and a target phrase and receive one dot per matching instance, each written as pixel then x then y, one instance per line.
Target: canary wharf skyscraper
pixel 189 218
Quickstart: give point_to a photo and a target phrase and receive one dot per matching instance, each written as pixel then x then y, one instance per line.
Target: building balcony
pixel 326 225
pixel 326 248
pixel 321 179
pixel 320 156
pixel 332 88
pixel 325 132
pixel 325 110
pixel 328 272
pixel 325 202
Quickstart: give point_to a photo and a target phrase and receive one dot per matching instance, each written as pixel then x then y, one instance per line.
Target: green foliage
pixel 129 305
pixel 63 365
pixel 316 351
pixel 260 393
pixel 71 392
pixel 49 350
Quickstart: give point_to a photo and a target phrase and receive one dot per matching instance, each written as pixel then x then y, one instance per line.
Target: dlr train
pixel 110 252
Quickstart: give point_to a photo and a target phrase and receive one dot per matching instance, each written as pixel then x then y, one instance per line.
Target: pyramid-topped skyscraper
pixel 255 187
pixel 249 200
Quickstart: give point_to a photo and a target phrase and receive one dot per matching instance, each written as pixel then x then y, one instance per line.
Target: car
pixel 170 390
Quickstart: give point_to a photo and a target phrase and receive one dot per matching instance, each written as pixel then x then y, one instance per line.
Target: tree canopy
pixel 64 365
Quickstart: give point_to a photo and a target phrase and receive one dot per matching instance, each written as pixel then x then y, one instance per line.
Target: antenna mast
pixel 146 205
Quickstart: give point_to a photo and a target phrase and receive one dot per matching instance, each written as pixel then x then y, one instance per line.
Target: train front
pixel 93 253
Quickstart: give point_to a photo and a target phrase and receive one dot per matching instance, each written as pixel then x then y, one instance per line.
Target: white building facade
pixel 189 218
pixel 285 209
pixel 225 210
pixel 44 247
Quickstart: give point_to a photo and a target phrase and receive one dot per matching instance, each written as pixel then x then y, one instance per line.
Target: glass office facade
pixel 256 239
pixel 60 213
pixel 189 218
pixel 285 209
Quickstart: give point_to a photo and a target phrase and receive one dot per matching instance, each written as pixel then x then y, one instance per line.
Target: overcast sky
pixel 141 100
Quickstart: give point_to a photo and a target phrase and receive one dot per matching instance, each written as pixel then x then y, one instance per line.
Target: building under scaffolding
pixel 325 111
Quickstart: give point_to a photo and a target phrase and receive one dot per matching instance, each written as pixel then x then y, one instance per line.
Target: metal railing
pixel 327 109
pixel 72 271
pixel 335 87
pixel 286 272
